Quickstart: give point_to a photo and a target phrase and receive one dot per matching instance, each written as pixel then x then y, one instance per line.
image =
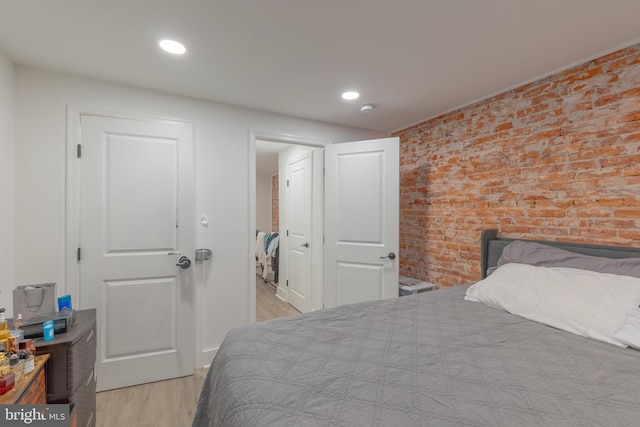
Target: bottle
pixel 18 323
pixel 7 379
pixel 17 334
pixel 47 329
pixel 3 321
pixel 4 360
pixel 28 359
pixel 17 367
pixel 5 333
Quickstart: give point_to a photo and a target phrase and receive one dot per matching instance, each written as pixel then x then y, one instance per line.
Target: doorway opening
pixel 358 213
pixel 288 201
pixel 269 305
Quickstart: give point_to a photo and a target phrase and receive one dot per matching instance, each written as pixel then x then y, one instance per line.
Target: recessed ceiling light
pixel 172 46
pixel 350 96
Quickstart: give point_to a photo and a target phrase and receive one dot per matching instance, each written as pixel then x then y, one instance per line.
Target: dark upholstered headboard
pixel 492 247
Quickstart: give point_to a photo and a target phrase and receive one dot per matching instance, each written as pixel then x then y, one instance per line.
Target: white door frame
pixel 274 137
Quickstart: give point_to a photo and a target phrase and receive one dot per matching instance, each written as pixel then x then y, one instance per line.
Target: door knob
pixel 305 244
pixel 184 262
pixel 390 256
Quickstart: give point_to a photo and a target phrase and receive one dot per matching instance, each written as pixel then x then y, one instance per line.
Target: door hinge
pixel 287 283
pixel 79 255
pixel 79 150
pixel 287 233
pixel 287 183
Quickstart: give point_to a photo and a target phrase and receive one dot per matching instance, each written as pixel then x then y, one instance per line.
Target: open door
pixel 361 221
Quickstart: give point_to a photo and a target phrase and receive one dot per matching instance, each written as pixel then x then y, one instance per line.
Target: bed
pixel 432 359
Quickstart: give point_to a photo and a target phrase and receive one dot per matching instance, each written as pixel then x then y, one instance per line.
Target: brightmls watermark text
pixel 35 415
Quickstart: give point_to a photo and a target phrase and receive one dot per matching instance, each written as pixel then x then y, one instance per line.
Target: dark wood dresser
pixel 71 367
pixel 31 388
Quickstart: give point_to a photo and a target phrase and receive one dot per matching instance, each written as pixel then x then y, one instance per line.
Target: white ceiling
pixel 413 59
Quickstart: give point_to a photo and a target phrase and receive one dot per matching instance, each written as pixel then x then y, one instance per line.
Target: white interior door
pixel 299 196
pixel 361 221
pixel 136 220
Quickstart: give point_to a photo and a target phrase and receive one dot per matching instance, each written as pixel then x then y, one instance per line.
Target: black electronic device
pixel 62 322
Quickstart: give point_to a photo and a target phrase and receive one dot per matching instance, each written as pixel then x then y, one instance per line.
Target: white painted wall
pixel 222 171
pixel 7 147
pixel 263 202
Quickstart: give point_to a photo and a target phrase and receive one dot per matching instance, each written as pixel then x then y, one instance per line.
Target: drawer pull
pixel 89 336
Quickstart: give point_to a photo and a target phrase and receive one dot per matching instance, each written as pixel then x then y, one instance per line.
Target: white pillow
pixel 583 302
pixel 630 332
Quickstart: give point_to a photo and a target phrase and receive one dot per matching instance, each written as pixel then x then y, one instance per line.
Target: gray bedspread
pixel 431 359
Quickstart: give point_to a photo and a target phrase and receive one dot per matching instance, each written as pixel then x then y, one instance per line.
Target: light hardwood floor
pixel 268 305
pixel 172 403
pixel 161 404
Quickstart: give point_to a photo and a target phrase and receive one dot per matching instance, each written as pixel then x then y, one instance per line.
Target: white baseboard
pixel 282 293
pixel 206 357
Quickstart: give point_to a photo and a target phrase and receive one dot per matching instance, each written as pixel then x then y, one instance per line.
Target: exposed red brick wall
pixel 275 204
pixel 557 159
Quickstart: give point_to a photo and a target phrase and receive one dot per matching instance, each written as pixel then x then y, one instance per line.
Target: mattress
pixel 431 359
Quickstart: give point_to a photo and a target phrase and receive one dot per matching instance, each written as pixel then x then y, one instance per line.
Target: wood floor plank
pixel 160 404
pixel 268 305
